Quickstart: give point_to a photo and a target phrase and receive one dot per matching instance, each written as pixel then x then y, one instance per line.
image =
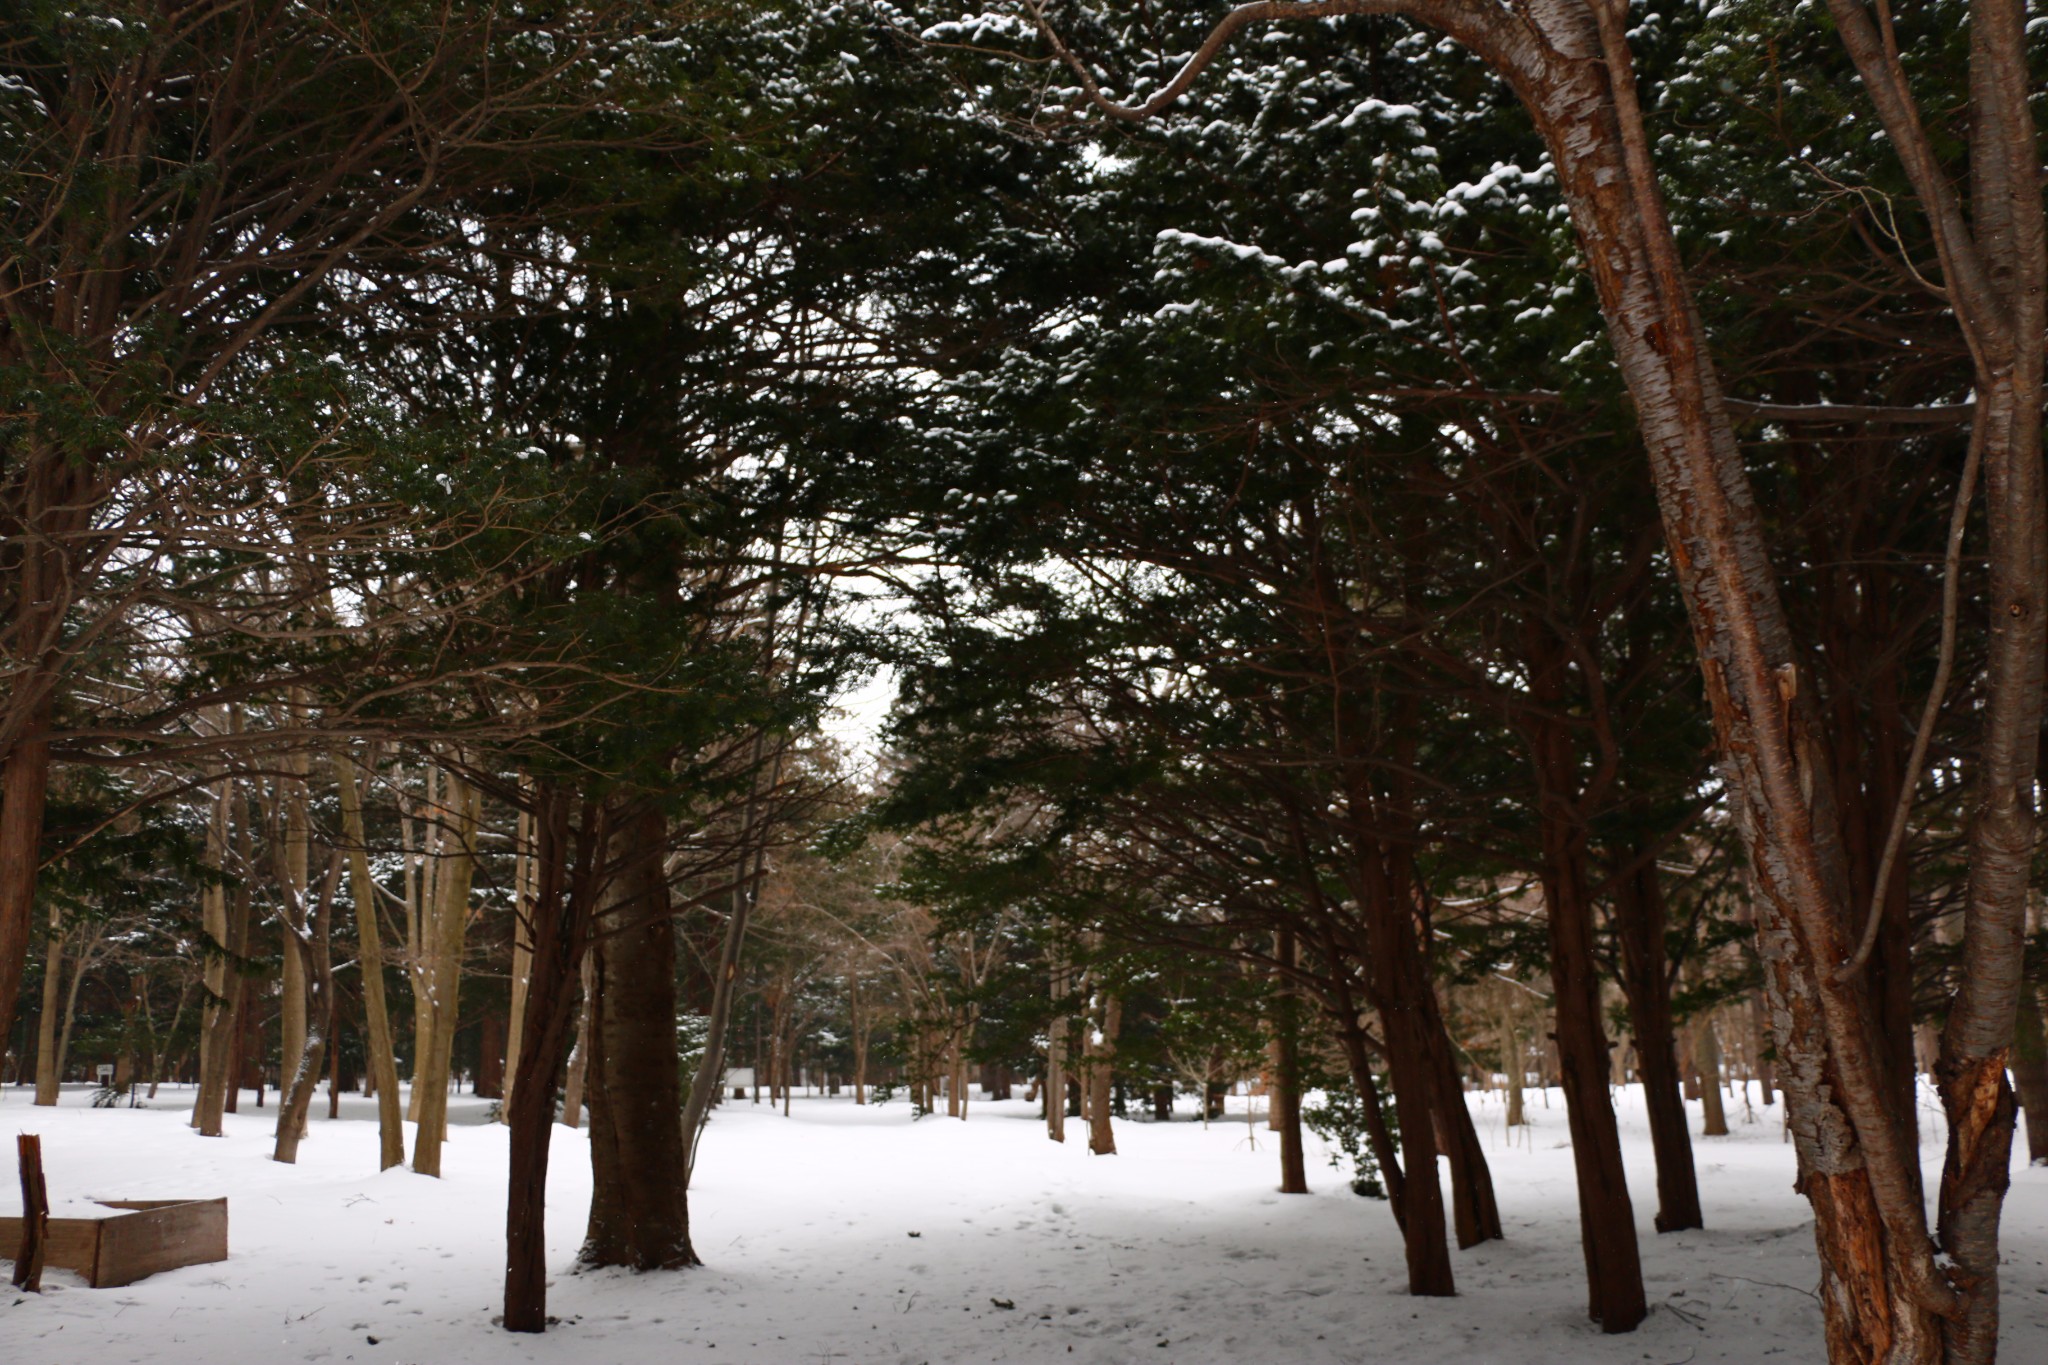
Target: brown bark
pixel 1607 1229
pixel 574 1086
pixel 1056 1053
pixel 49 1070
pixel 1100 1058
pixel 295 1098
pixel 1707 1057
pixel 1284 1095
pixel 490 1057
pixel 377 1043
pixel 639 1201
pixel 35 1214
pixel 293 872
pixel 2030 1075
pixel 561 917
pixel 1639 923
pixel 1396 984
pixel 449 921
pixel 24 784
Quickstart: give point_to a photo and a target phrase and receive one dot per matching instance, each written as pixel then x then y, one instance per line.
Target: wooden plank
pixel 72 1243
pixel 136 1238
pixel 162 1236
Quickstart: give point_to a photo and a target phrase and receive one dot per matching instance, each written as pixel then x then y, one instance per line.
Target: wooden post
pixel 35 1215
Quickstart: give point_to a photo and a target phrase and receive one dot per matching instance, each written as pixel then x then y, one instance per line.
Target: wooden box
pixel 134 1239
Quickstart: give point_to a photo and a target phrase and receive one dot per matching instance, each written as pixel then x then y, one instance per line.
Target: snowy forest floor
pixel 855 1234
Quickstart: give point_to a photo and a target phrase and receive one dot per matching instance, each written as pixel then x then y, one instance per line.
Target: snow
pixel 856 1234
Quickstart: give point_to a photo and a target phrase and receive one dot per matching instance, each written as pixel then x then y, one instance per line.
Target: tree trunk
pixel 2030 1075
pixel 1639 923
pixel 579 1051
pixel 1386 1153
pixel 294 871
pixel 222 974
pixel 522 950
pixel 381 1057
pixel 1284 1105
pixel 1607 1228
pixel 1101 1058
pixel 561 918
pixel 639 1201
pixel 49 1078
pixel 1707 1058
pixel 859 1024
pixel 295 1098
pixel 1396 980
pixel 1056 1053
pixel 24 785
pixel 450 920
pixel 1511 1060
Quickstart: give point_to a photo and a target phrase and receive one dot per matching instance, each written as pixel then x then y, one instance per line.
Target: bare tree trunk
pixel 859 1023
pixel 1707 1057
pixel 1511 1049
pixel 69 1020
pixel 1056 1053
pixel 24 785
pixel 1396 979
pixel 1284 1105
pixel 377 1042
pixel 295 1098
pixel 49 1078
pixel 1607 1227
pixel 1101 1055
pixel 522 951
pixel 579 1052
pixel 222 974
pixel 562 909
pixel 294 871
pixel 1639 924
pixel 450 920
pixel 2030 1075
pixel 639 1202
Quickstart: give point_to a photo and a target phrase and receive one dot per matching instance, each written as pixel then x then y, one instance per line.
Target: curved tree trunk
pixel 561 919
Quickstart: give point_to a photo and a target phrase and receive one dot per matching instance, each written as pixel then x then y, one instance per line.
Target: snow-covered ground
pixel 855 1234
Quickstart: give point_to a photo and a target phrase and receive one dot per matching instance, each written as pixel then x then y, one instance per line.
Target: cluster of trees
pixel 1430 539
